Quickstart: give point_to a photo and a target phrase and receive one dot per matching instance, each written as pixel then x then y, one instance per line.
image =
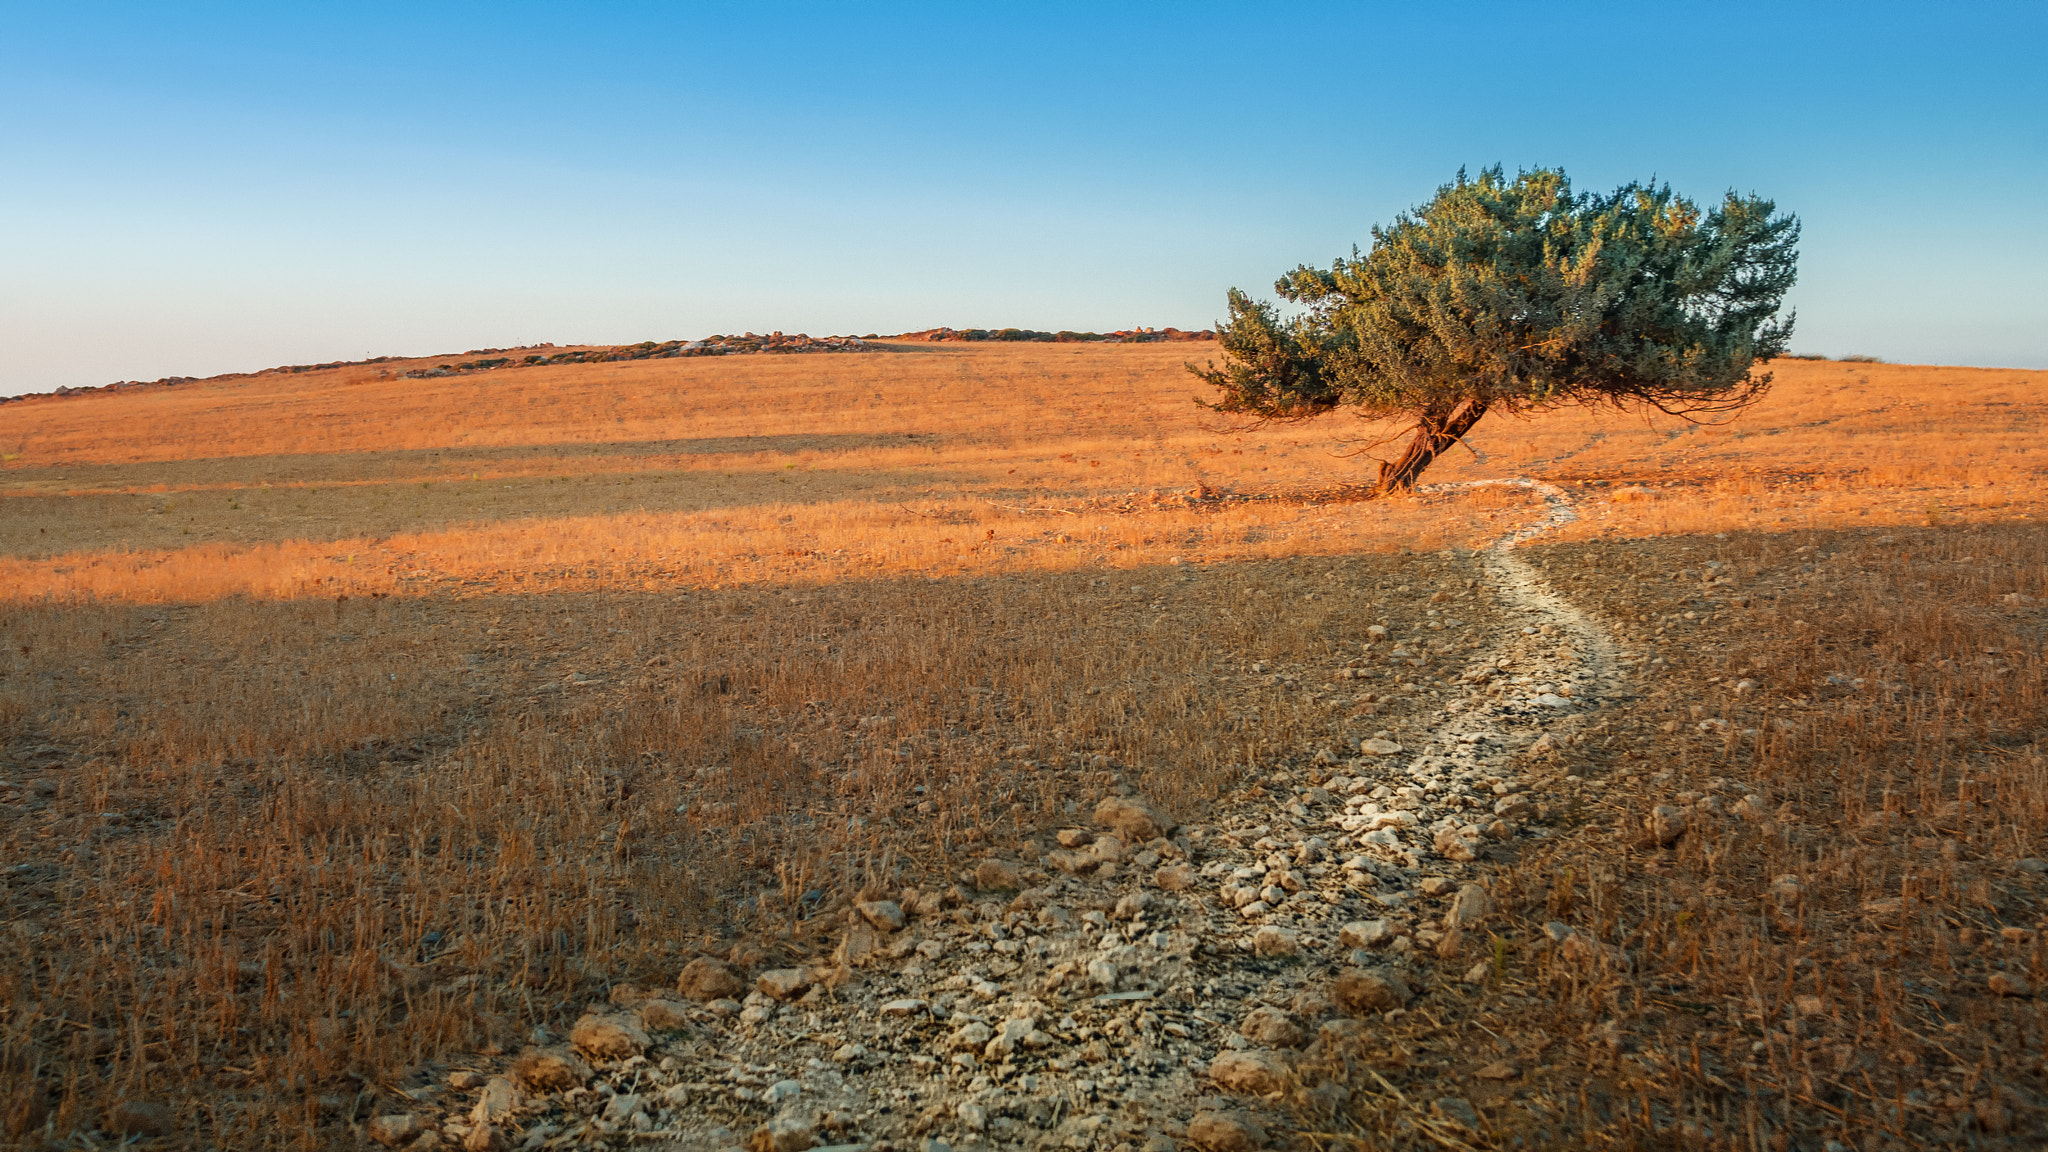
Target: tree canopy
pixel 1519 296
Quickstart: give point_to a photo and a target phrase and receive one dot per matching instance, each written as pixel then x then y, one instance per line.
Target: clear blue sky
pixel 198 188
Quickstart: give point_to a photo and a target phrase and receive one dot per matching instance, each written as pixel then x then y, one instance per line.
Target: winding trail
pixel 1156 995
pixel 1554 662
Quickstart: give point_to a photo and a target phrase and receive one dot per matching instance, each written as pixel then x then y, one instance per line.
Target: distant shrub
pixel 1860 359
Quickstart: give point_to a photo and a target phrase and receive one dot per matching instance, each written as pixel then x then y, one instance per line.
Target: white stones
pixel 972 1116
pixel 1365 933
pixel 972 1036
pixel 903 1007
pixel 781 1092
pixel 1275 941
pixel 1103 974
pixel 1379 747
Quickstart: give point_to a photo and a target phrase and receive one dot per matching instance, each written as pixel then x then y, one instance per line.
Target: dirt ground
pixel 354 735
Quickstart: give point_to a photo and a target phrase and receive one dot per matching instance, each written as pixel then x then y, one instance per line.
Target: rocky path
pixel 1142 987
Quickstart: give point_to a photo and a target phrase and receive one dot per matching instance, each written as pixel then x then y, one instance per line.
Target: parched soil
pixel 1710 818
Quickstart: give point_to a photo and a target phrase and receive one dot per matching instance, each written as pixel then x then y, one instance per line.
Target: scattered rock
pixel 1175 877
pixel 1134 818
pixel 1458 1111
pixel 1365 933
pixel 1274 941
pixel 1075 837
pixel 1250 1073
pixel 972 1036
pixel 783 984
pixel 705 979
pixel 1666 824
pixel 1471 906
pixel 1343 1035
pixel 1460 844
pixel 788 1133
pixel 1370 990
pixel 663 1015
pixel 1226 1132
pixel 497 1102
pixel 464 1081
pixel 608 1037
pixel 549 1070
pixel 486 1138
pixel 1003 875
pixel 1270 1027
pixel 885 915
pixel 1378 747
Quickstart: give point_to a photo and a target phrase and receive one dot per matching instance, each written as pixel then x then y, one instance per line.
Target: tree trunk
pixel 1438 429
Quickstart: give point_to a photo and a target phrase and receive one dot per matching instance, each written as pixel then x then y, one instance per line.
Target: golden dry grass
pixel 353 723
pixel 1815 965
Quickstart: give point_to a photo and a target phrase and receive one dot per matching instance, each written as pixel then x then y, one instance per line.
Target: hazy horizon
pixel 249 187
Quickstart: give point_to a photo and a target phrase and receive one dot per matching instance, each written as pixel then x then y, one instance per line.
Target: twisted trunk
pixel 1435 432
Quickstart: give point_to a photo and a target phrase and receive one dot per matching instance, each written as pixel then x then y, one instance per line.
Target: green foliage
pixel 1521 295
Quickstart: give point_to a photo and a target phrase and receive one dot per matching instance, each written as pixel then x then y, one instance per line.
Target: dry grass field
pixel 353 725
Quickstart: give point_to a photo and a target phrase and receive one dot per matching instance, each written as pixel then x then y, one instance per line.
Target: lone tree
pixel 1520 296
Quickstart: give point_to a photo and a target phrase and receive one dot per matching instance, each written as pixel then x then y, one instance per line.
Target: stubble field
pixel 354 728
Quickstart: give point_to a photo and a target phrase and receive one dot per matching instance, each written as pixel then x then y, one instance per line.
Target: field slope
pixel 356 730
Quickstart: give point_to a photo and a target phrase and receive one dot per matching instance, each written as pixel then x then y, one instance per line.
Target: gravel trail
pixel 1143 987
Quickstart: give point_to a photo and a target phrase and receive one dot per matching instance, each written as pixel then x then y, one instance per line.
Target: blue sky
pixel 203 188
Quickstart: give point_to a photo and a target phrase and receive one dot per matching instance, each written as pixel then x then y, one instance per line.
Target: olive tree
pixel 1520 296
